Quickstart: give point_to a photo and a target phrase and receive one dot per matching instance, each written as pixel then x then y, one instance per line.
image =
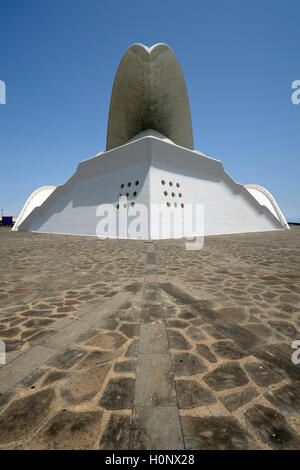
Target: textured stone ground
pixel 144 345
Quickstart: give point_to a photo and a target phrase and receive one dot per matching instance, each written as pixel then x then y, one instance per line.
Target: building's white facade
pixel 151 170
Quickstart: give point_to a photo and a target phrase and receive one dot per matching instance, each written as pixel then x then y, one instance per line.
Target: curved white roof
pixel 265 198
pixel 149 92
pixel 36 199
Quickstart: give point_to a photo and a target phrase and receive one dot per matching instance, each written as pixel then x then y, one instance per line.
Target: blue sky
pixel 239 58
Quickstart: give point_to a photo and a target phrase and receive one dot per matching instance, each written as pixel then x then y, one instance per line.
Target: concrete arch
pixel 149 92
pixel 265 198
pixel 36 199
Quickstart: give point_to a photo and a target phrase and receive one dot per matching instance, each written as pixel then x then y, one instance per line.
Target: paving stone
pixel 177 341
pixel 152 294
pixel 242 337
pixel 153 338
pixel 212 331
pixel 5 398
pixel 272 428
pixel 12 345
pixel 40 336
pixel 261 374
pixel 54 376
pixel 125 366
pixel 38 322
pixel 286 398
pixel 69 430
pixel 118 394
pixel 35 313
pixel 237 314
pixel 130 329
pixel 187 364
pixel 192 395
pixel 152 313
pixel 96 358
pixel 82 387
pixel 226 376
pixel 29 333
pixel 32 378
pixel 133 349
pixel 87 335
pixel 204 351
pixel 177 293
pixel 117 432
pixel 229 350
pixel 149 429
pixel 67 358
pixel 236 400
pixel 285 328
pixel 134 287
pixel 186 314
pixel 108 324
pixel 215 433
pixel 22 366
pixel 195 334
pixel 279 356
pixel 154 381
pixel 9 333
pixel 177 324
pixel 111 341
pixel 25 415
pixel 259 329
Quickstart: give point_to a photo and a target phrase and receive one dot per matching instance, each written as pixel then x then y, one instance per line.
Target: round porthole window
pixel 168 204
pixel 136 183
pixel 171 183
pixel 178 185
pixel 173 194
pixel 122 185
pixel 180 195
pixel 135 193
pixel 165 193
pixel 163 182
pixel 132 204
pixel 118 206
pixel 182 205
pixel 175 204
pixel 128 184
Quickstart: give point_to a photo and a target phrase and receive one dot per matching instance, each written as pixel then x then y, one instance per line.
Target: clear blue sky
pixel 239 58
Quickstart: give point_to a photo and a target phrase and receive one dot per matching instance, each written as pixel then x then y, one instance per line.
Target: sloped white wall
pixel 228 206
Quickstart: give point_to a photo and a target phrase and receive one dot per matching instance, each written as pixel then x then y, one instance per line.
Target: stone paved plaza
pixel 115 344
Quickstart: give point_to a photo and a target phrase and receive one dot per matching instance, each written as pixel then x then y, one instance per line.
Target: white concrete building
pixel 150 179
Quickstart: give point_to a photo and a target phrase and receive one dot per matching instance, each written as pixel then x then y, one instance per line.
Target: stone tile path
pixel 115 344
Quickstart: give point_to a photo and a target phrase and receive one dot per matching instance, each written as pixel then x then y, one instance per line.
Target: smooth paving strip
pixel 155 403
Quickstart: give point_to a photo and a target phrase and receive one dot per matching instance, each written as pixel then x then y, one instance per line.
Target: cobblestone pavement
pixel 115 344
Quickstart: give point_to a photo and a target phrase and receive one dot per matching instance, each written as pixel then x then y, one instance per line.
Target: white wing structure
pixel 265 198
pixel 36 199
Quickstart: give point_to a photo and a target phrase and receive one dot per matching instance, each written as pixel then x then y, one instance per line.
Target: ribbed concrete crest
pixel 149 92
